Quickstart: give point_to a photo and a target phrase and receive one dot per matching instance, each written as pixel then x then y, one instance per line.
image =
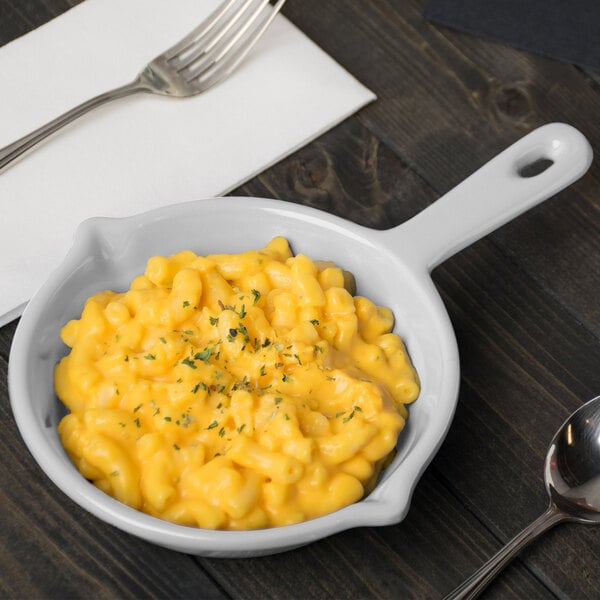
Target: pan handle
pixel 498 192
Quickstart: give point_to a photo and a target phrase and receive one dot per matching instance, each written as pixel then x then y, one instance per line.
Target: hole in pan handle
pixel 499 191
pixel 535 167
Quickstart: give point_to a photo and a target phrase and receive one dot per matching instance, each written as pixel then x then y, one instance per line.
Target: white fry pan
pixel 391 267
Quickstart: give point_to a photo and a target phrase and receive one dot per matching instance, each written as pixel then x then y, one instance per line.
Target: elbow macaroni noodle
pixel 234 391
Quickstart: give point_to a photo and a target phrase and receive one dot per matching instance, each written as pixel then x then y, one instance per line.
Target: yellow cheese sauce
pixel 234 391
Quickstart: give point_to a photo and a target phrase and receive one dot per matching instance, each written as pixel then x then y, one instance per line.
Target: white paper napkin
pixel 144 151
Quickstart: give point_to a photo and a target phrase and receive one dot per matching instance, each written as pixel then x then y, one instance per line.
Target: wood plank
pixel 448 102
pixel 350 173
pixel 18 17
pixel 401 561
pixel 515 394
pixel 523 303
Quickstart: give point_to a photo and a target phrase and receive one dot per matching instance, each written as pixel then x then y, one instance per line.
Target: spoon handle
pixel 474 585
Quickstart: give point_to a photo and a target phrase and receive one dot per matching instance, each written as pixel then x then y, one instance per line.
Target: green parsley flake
pixel 350 416
pixel 204 355
pixel 244 332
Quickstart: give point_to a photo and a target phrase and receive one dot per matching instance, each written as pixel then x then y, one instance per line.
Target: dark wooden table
pixel 524 303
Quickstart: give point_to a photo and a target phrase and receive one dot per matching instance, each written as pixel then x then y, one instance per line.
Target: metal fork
pixel 202 58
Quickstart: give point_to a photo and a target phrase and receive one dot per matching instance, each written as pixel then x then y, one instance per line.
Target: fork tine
pixel 201 31
pixel 220 38
pixel 228 61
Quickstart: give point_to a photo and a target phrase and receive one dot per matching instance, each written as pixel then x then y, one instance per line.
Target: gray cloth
pixel 567 30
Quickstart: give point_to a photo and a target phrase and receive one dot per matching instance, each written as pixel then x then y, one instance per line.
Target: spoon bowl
pixel 572 477
pixel 572 471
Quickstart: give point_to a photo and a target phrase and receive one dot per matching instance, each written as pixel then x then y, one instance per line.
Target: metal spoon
pixel 572 477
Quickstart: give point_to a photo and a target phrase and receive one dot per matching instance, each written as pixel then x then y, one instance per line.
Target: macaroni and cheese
pixel 234 391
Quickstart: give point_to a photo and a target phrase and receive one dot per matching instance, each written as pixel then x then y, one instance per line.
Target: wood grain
pixel 523 302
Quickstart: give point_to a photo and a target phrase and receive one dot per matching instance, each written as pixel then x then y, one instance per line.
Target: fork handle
pixel 13 151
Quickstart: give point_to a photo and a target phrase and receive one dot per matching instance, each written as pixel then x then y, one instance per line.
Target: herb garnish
pixel 204 355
